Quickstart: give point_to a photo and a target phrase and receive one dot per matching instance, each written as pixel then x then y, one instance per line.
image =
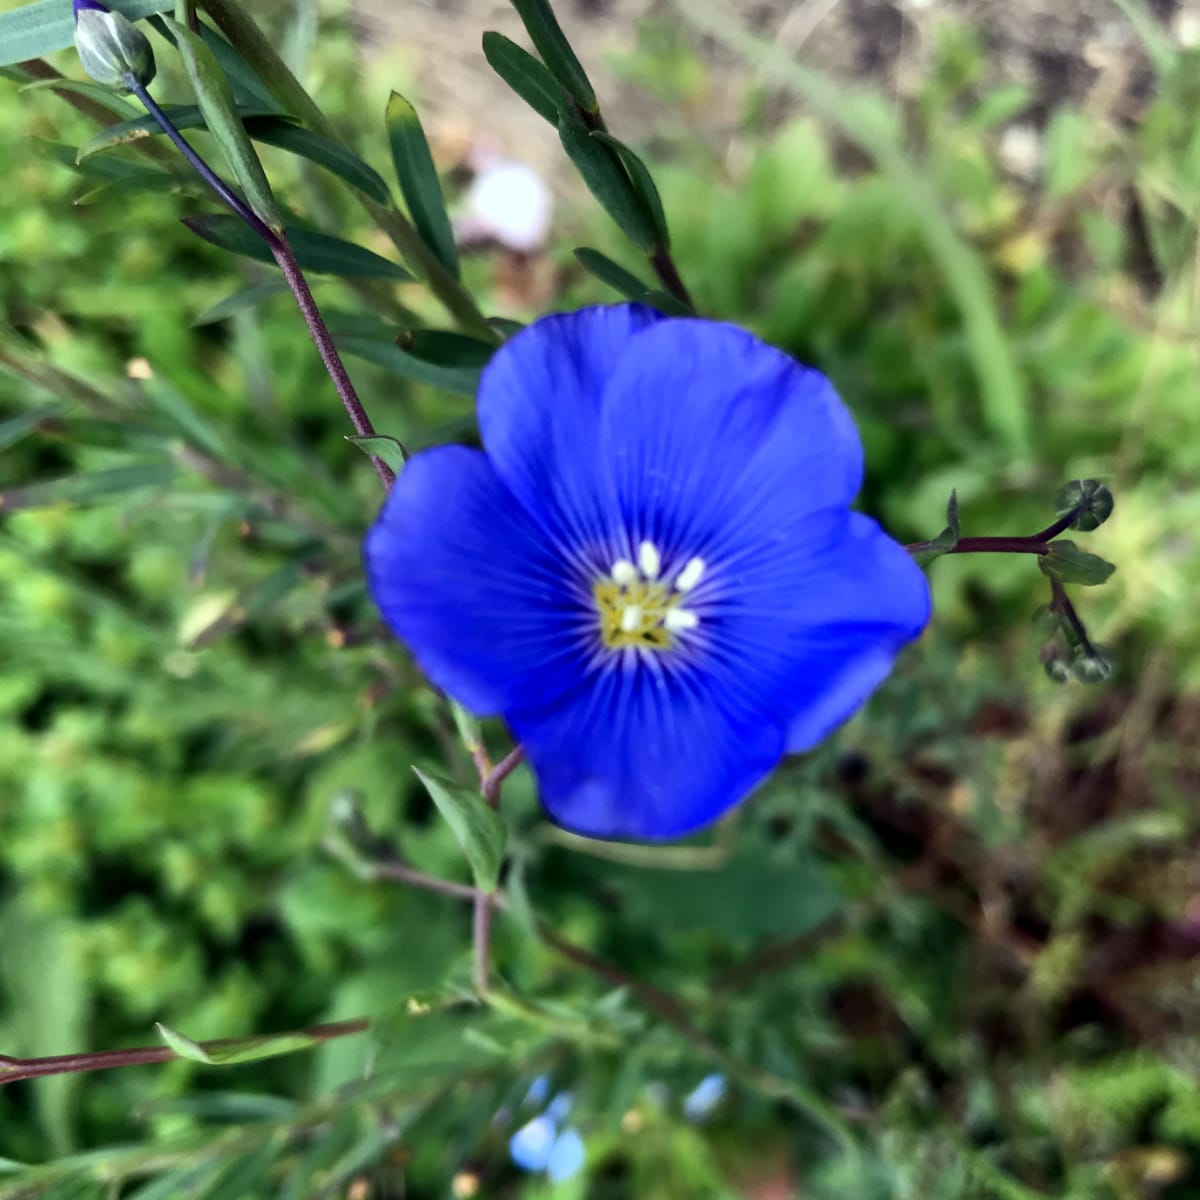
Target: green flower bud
pixel 1095 667
pixel 111 48
pixel 1096 497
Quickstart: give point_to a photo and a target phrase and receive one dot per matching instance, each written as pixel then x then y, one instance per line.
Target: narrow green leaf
pixel 607 180
pixel 251 603
pixel 15 428
pixel 37 29
pixel 419 181
pixel 242 299
pixel 183 1046
pixel 334 156
pixel 82 489
pixel 1067 563
pixel 238 1050
pixel 528 77
pixel 477 828
pixel 445 348
pixel 314 251
pixel 946 540
pixel 168 399
pixel 216 100
pixel 134 183
pixel 464 380
pixel 183 116
pixel 612 273
pixel 551 43
pixel 384 448
pixel 643 185
pixel 93 91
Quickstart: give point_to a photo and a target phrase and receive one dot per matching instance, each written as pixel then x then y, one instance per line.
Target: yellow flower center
pixel 639 608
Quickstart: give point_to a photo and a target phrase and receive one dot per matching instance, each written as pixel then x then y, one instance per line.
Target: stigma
pixel 640 605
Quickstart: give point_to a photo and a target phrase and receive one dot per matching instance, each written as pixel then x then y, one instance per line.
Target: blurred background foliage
pixel 966 929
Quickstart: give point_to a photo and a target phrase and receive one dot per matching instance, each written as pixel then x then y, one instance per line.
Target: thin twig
pixel 399 873
pixel 14 1069
pixel 285 258
pixel 491 782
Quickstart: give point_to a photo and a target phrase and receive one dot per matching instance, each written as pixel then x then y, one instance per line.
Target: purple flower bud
pixel 88 6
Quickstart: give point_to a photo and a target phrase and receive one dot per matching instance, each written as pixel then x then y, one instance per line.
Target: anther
pixel 623 572
pixel 690 575
pixel 649 560
pixel 676 619
pixel 631 618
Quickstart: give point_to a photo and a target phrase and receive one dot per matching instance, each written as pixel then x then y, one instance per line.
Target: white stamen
pixel 649 560
pixel 631 618
pixel 690 575
pixel 680 618
pixel 623 572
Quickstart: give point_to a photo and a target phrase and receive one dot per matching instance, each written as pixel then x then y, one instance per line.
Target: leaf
pixel 216 100
pixel 143 180
pixel 334 156
pixel 476 826
pixel 528 77
pixel 386 354
pixel 419 181
pixel 1068 564
pixel 182 116
pixel 82 489
pixel 606 179
pixel 240 1050
pixel 946 540
pixel 386 449
pixel 242 299
pixel 314 251
pixel 15 428
pixel 612 273
pixel 37 29
pixel 551 43
pixel 93 91
pixel 643 185
pixel 445 348
pixel 251 603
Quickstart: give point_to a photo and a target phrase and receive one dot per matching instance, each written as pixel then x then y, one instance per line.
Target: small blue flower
pixel 540 1146
pixel 652 573
pixel 531 1145
pixel 699 1103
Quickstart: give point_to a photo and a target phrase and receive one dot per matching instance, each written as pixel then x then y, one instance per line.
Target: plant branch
pixel 286 260
pixel 1033 543
pixel 13 1070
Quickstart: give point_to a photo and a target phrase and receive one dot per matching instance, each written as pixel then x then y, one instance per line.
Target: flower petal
pixel 567 1157
pixel 539 415
pixel 532 1145
pixel 811 620
pixel 715 436
pixel 644 752
pixel 461 575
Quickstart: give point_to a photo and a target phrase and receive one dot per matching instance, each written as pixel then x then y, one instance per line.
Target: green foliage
pixel 964 930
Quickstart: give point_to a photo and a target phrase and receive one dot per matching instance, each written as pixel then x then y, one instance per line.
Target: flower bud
pixel 1094 667
pixel 1094 495
pixel 111 48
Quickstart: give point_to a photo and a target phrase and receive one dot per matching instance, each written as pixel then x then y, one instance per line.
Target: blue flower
pixel 540 1146
pixel 700 1102
pixel 651 572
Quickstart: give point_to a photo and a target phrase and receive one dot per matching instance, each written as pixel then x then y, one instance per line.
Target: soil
pixel 1064 51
